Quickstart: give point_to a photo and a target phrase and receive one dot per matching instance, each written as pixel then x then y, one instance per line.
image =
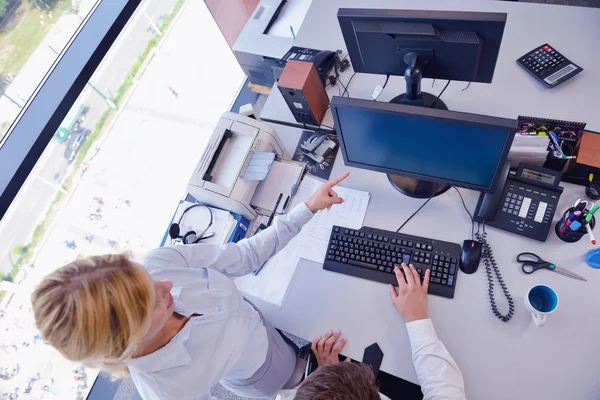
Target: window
pixel 109 174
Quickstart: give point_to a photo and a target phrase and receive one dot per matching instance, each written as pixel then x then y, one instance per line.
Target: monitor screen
pixel 428 148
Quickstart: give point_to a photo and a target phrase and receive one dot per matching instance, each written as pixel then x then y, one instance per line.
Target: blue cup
pixel 540 301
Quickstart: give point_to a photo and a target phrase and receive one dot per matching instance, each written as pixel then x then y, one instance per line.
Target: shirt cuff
pixel 300 214
pixel 421 332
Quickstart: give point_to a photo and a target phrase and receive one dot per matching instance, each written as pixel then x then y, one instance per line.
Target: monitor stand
pixel 413 76
pixel 414 97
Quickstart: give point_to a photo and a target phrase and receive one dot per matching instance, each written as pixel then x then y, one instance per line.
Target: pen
pixel 275 209
pixel 592 238
pixel 591 213
pixel 285 204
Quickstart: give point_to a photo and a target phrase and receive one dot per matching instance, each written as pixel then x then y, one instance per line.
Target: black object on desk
pixel 548 66
pixel 371 254
pixel 416 44
pixel 275 209
pixel 525 204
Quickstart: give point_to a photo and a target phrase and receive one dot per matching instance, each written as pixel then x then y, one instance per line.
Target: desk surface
pixel 514 360
pixel 513 91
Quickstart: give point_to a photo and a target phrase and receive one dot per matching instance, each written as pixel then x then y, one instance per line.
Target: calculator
pixel 548 66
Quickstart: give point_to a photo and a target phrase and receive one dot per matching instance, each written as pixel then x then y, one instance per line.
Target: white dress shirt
pixel 437 372
pixel 229 339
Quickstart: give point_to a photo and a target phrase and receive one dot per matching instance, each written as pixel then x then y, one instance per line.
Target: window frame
pixel 29 134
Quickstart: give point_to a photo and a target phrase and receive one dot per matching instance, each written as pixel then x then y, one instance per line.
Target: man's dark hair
pixel 341 381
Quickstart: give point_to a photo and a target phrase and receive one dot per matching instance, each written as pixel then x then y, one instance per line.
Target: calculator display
pixel 538 176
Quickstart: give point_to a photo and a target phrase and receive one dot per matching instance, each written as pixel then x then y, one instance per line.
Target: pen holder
pixel 566 234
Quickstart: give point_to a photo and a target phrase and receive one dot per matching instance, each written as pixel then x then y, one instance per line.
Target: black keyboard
pixel 371 253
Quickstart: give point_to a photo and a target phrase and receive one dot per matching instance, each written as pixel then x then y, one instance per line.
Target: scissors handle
pixel 530 258
pixel 530 268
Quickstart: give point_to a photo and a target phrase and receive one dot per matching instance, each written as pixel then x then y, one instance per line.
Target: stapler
pixel 318 146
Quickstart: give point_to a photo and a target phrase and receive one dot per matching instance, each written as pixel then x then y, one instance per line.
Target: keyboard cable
pixel 491 266
pixel 419 209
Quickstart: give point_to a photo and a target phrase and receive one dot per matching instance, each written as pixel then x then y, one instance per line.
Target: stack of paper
pixel 283 179
pixel 273 281
pixel 314 237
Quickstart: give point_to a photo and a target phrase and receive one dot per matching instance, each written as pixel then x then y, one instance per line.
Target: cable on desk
pixel 347 86
pixel 440 95
pixel 382 89
pixel 492 265
pixel 468 212
pixel 466 87
pixel 419 209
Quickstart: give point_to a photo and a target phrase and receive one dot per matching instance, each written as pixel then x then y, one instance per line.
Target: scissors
pixel 532 262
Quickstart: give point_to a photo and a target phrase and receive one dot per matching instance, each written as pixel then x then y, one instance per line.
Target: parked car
pixel 74 142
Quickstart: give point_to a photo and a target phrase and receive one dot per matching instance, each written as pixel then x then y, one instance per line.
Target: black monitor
pixel 453 45
pixel 424 151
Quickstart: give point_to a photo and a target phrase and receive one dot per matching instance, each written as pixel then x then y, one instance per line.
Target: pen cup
pixel 566 234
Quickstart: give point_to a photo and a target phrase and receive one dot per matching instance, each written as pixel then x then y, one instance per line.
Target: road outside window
pixel 111 177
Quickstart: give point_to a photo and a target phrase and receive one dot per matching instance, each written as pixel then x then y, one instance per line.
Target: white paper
pixel 283 176
pixel 271 284
pixel 314 237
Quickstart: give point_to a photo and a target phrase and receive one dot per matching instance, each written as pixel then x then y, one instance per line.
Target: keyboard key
pixel 435 280
pixel 369 236
pixel 393 241
pixel 429 247
pixel 417 245
pixel 346 231
pixel 436 257
pixel 406 258
pixel 444 281
pixel 381 268
pixel 404 243
pixel 388 269
pixel 344 260
pixel 330 257
pixel 386 239
pixel 338 259
pixel 336 229
pixel 362 234
pixel 450 280
pixel 362 264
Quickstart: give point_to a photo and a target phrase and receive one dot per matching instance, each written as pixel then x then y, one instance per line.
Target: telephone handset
pixel 523 202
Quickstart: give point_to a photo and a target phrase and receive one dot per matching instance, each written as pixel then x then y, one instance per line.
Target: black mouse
pixel 470 256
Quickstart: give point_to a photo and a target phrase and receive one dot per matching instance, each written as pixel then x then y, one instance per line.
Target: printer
pixel 217 180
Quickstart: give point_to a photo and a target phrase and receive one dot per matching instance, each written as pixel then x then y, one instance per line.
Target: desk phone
pixel 525 205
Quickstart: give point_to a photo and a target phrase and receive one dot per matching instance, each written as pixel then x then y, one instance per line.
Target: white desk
pixel 513 91
pixel 499 360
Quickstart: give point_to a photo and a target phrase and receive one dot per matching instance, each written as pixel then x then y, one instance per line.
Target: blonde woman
pixel 176 323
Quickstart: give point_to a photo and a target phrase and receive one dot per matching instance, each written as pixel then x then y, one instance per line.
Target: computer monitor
pixel 453 45
pixel 424 151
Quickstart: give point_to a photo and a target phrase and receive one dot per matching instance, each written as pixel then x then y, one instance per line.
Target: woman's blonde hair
pixel 95 310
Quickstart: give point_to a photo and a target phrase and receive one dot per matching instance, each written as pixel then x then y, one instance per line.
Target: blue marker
pixel 293 34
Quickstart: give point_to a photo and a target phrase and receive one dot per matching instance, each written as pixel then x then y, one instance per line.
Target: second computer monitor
pixel 426 145
pixel 453 45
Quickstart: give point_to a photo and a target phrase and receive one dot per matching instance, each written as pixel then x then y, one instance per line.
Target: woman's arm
pixel 238 259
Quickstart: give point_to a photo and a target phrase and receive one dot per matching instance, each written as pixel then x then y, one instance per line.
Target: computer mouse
pixel 470 256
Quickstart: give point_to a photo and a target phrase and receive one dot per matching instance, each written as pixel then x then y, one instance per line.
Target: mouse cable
pixel 491 264
pixel 419 209
pixel 468 212
pixel 440 95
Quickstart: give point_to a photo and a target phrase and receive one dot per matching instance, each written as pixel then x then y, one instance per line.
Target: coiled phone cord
pixel 490 264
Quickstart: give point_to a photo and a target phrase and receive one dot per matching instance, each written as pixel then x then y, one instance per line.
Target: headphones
pixel 190 237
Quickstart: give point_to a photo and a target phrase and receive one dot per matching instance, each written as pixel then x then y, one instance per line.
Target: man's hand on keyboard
pixel 411 298
pixel 325 196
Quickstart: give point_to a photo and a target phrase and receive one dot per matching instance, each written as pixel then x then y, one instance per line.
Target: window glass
pixel 112 176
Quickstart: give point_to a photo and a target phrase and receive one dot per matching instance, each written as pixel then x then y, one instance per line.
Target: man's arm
pixel 238 259
pixel 438 374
